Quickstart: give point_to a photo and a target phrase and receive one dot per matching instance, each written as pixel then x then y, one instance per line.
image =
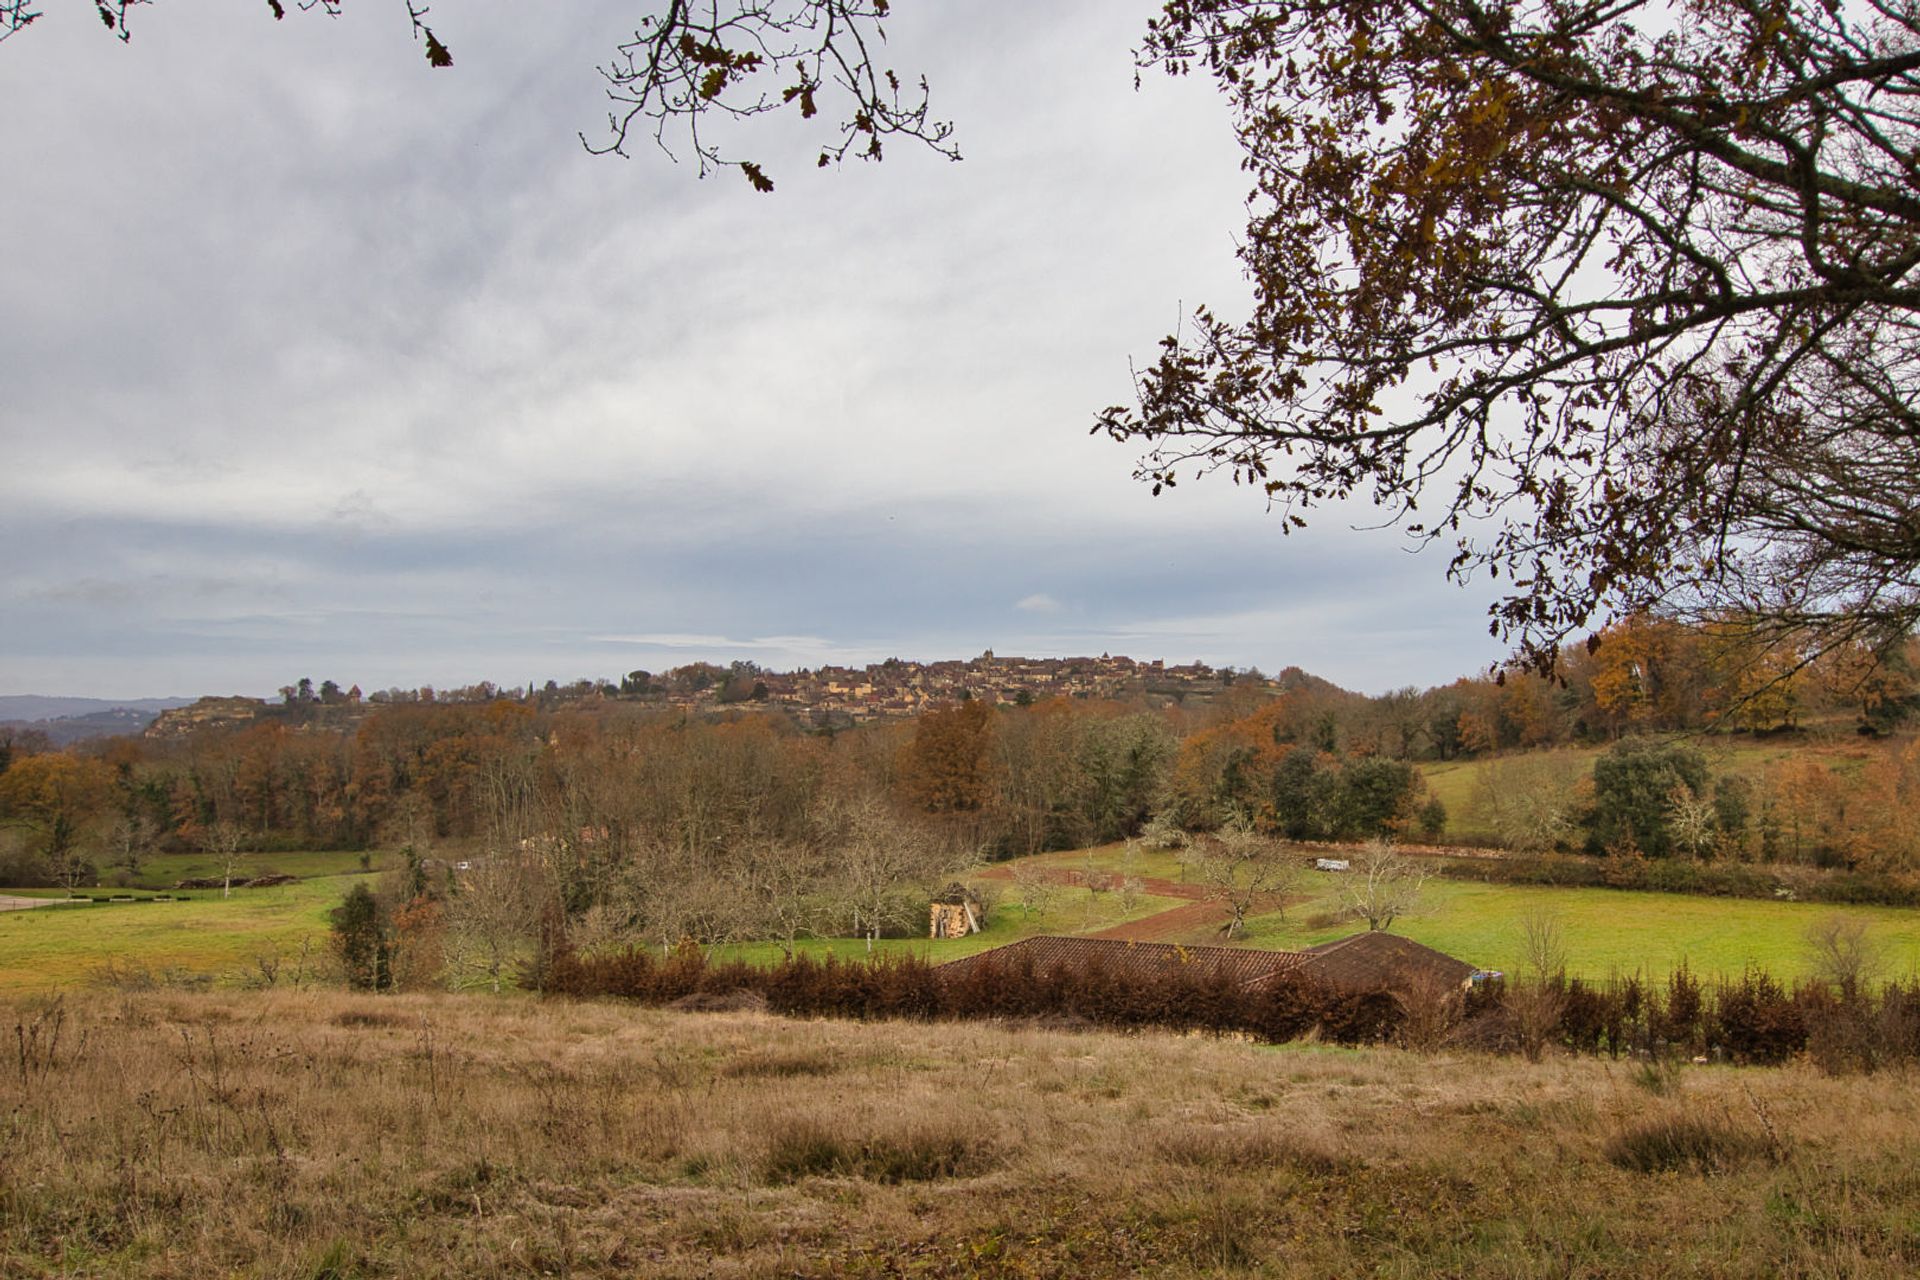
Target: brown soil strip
pixel 1169 923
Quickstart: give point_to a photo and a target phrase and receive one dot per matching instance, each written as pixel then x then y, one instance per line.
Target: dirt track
pixel 22 904
pixel 1198 913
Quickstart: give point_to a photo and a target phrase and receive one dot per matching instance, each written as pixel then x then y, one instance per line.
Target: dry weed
pixel 302 1133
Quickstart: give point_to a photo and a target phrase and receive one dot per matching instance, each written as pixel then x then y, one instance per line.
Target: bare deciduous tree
pixel 1037 889
pixel 788 885
pixel 1381 884
pixel 132 838
pixel 1845 953
pixel 1243 869
pixel 883 867
pixel 1692 819
pixel 1538 997
pixel 1528 800
pixel 222 840
pixel 492 915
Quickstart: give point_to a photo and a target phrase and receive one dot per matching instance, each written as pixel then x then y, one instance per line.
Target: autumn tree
pixel 1885 832
pixel 1631 282
pixel 1757 685
pixel 55 796
pixel 1884 689
pixel 949 762
pixel 1804 811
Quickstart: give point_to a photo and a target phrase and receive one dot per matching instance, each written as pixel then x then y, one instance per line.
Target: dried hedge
pixel 909 987
pixel 1752 1020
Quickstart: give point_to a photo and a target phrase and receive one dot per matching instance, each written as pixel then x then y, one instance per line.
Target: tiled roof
pixel 1241 964
pixel 1362 962
pixel 1377 961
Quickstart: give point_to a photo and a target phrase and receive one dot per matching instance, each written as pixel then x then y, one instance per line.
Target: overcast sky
pixel 315 361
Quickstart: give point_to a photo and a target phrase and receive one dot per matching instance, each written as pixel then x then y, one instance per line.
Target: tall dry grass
pixel 319 1135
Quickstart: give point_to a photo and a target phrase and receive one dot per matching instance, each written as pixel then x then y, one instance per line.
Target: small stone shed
pixel 956 912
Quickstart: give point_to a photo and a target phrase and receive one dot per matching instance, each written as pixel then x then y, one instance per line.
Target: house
pixel 1373 961
pixel 1241 966
pixel 956 912
pixel 1380 961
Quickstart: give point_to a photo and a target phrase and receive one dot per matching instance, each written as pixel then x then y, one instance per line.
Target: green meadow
pixel 163 871
pixel 1608 930
pixel 55 947
pixel 1604 931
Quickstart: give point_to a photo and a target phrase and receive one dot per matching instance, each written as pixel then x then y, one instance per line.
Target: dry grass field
pixel 323 1136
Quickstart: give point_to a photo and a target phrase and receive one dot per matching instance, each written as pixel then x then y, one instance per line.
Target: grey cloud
pixel 325 360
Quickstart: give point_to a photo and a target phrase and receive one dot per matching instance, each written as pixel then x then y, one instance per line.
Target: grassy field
pixel 60 947
pixel 1072 911
pixel 1610 931
pixel 166 870
pixel 1605 930
pixel 319 1135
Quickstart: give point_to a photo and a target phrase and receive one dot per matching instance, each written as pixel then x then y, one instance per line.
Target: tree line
pixel 599 783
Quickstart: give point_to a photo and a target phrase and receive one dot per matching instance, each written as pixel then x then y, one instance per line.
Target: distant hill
pixel 33 706
pixel 69 720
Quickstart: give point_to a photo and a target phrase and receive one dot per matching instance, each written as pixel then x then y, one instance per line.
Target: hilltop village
pixel 824 697
pixel 899 688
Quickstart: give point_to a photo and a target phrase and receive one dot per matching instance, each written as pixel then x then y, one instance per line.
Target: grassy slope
pixel 309 1134
pixel 1456 782
pixel 1607 930
pixel 51 948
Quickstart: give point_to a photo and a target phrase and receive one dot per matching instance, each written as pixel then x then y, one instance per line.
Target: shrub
pixel 1670 1143
pixel 363 940
pixel 926 1152
pixel 1758 1021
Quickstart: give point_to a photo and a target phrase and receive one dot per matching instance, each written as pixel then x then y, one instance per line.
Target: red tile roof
pixel 1361 962
pixel 1378 961
pixel 1242 965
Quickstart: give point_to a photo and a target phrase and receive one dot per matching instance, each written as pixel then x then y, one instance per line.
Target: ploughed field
pixel 317 1134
